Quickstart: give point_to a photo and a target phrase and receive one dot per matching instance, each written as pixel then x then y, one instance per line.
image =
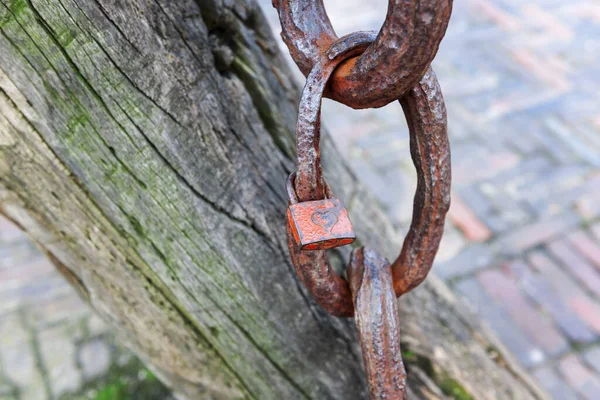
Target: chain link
pixel 393 63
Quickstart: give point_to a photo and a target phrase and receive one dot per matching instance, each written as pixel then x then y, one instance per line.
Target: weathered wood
pixel 144 145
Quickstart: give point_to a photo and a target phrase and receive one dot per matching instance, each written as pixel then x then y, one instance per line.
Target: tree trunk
pixel 144 145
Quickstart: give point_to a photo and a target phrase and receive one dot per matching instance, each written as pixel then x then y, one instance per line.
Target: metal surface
pixel 320 224
pixel 328 289
pixel 426 116
pixel 378 324
pixel 392 65
pixel 425 113
pixel 309 178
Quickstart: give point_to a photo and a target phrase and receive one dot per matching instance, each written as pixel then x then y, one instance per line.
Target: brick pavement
pixel 521 84
pixel 51 345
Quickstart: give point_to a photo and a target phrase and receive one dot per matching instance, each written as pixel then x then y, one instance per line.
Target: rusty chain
pixel 368 69
pixel 393 63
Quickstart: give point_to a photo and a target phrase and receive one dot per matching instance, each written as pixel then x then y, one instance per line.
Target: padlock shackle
pixel 309 173
pixel 291 189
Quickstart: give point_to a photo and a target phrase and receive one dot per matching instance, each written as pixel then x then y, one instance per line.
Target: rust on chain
pixel 369 70
pixel 309 178
pixel 378 326
pixel 320 224
pixel 425 113
pixel 329 290
pixel 392 65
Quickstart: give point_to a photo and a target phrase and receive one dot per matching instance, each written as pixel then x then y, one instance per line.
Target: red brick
pixel 586 246
pixel 504 290
pixel 578 266
pixel 573 295
pixel 579 377
pixel 587 310
pixel 496 14
pixel 554 384
pixel 540 69
pixel 466 220
pixel 539 289
pixel 538 233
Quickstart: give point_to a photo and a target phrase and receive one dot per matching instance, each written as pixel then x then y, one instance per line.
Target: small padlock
pixel 319 224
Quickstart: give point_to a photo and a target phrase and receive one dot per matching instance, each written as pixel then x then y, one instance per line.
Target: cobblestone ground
pixel 521 82
pixel 51 345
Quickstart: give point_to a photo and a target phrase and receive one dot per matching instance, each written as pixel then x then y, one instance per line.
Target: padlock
pixel 319 224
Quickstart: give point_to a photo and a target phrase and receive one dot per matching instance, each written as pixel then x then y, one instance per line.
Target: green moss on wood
pixel 453 389
pixel 449 386
pixel 17 7
pixel 129 381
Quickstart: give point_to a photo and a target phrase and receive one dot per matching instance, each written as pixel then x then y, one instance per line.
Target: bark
pixel 144 145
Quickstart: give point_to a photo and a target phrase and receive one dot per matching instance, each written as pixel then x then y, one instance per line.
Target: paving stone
pixel 588 206
pixel 58 354
pixel 512 336
pixel 9 232
pixel 585 382
pixel 539 328
pixel 497 223
pixel 96 326
pixel 65 309
pixel 475 200
pixel 578 265
pixel 592 358
pixel 18 352
pixel 573 141
pixel 528 169
pixel 535 234
pixel 34 269
pixel 452 244
pixel 554 384
pixel 549 299
pixel 586 246
pixel 587 309
pixel 94 358
pixel 469 260
pixel 556 189
pixel 466 220
pixel 595 230
pixel 481 164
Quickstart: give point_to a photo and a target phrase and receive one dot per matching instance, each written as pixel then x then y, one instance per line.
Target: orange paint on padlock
pixel 320 224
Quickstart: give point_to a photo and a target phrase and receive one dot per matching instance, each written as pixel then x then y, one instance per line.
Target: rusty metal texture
pixel 425 112
pixel 392 65
pixel 378 324
pixel 309 178
pixel 328 289
pixel 369 70
pixel 320 224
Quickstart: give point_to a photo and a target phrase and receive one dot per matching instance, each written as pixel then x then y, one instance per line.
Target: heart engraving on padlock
pixel 318 224
pixel 326 219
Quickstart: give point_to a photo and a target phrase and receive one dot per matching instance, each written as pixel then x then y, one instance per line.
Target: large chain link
pixel 388 68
